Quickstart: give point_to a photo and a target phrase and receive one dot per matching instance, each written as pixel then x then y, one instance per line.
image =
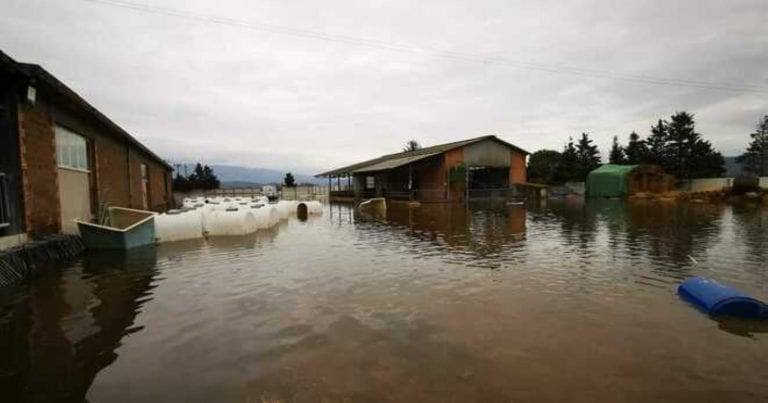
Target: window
pixel 71 149
pixel 370 182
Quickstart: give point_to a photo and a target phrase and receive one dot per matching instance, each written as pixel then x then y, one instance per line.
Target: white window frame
pixel 71 150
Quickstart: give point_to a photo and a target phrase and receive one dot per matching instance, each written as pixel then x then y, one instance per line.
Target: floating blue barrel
pixel 719 299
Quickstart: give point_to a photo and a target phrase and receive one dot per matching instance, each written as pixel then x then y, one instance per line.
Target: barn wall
pixel 487 153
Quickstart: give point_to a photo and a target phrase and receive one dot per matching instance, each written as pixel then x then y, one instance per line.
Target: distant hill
pixel 241 184
pixel 237 176
pixel 732 167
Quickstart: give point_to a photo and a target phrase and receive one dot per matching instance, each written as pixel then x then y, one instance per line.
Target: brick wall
pixel 42 211
pixel 518 171
pixel 110 155
pixel 110 167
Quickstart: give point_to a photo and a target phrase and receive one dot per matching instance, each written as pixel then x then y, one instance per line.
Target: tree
pixel 617 155
pixel 202 177
pixel 181 183
pixel 688 155
pixel 755 159
pixel 412 145
pixel 542 166
pixel 289 181
pixel 636 149
pixel 706 162
pixel 588 157
pixel 567 166
pixel 196 177
pixel 209 179
pixel 656 145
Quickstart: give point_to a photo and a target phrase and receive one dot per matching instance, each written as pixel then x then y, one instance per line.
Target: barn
pixel 612 180
pixel 477 167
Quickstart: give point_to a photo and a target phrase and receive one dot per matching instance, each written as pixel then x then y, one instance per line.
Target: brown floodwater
pixel 571 301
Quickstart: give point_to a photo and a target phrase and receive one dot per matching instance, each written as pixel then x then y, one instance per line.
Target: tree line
pixel 201 178
pixel 673 144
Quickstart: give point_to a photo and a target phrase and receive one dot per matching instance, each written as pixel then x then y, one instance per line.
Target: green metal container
pixel 128 229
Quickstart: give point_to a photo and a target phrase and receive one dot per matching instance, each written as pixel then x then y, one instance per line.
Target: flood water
pixel 571 301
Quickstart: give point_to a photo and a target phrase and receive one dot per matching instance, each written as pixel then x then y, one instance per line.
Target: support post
pixel 410 182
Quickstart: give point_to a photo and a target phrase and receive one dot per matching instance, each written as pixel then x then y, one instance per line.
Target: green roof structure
pixel 609 181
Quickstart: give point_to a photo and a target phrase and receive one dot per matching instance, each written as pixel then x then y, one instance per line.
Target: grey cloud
pixel 226 94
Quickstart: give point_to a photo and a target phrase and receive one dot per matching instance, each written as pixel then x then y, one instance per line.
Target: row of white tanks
pixel 221 216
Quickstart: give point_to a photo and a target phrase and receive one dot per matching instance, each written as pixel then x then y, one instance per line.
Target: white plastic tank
pixel 286 208
pixel 188 202
pixel 312 207
pixel 266 215
pixel 178 226
pixel 229 222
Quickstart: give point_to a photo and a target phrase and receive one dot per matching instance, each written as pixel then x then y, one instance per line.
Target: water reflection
pixel 430 303
pixel 63 330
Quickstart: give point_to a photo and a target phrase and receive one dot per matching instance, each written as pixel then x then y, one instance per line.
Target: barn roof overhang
pixel 392 161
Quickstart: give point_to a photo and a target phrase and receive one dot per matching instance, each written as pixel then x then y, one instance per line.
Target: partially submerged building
pixel 475 167
pixel 612 180
pixel 62 159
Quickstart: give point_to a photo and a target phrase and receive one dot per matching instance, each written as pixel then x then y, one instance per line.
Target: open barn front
pixel 482 167
pixel 487 182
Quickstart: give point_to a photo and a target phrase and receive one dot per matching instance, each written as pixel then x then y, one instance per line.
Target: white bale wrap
pixel 313 207
pixel 178 226
pixel 223 222
pixel 286 208
pixel 266 215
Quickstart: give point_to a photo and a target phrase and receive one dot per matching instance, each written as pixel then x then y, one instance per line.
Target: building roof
pixel 391 161
pixel 41 76
pixel 613 170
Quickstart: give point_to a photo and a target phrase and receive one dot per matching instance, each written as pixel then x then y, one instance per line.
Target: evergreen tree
pixel 755 159
pixel 196 177
pixel 636 149
pixel 682 138
pixel 617 155
pixel 706 162
pixel 542 166
pixel 209 179
pixel 181 183
pixel 588 157
pixel 412 145
pixel 202 177
pixel 289 181
pixel 568 165
pixel 688 155
pixel 656 145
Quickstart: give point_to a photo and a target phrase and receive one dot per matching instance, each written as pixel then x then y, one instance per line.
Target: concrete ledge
pixel 10 241
pixel 23 262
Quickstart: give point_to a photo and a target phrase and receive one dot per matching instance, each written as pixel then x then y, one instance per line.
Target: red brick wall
pixel 429 175
pixel 42 210
pixel 452 158
pixel 518 170
pixel 109 165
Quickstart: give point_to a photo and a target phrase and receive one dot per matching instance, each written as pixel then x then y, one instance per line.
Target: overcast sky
pixel 309 85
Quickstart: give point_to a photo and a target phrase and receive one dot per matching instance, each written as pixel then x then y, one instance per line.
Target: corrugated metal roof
pixel 366 166
pixel 393 163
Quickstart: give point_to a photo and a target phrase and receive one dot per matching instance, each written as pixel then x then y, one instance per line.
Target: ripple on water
pixel 428 304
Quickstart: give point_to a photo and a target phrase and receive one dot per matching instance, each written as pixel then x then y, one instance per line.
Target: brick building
pixel 62 159
pixel 476 167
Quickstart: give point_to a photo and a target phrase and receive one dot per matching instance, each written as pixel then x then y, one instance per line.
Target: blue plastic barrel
pixel 719 299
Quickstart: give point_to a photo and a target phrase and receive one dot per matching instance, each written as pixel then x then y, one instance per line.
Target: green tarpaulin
pixel 609 181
